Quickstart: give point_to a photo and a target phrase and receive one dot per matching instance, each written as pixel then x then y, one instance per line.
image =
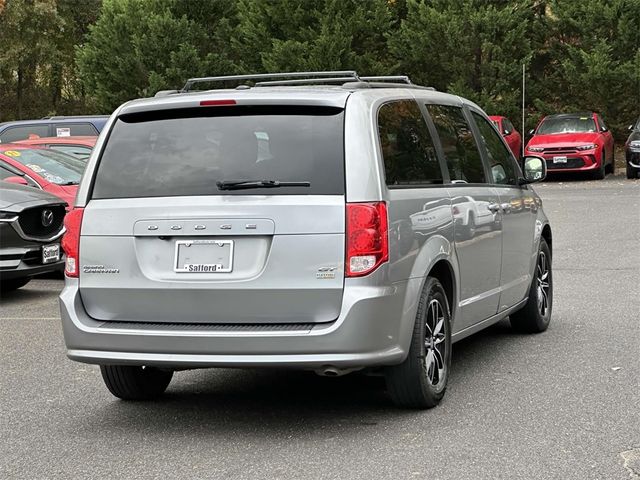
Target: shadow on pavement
pixel 272 402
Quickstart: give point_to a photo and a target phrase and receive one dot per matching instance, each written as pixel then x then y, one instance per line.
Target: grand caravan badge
pixel 326 273
pixel 99 269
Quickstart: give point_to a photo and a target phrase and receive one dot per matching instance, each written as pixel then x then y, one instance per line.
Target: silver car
pixel 275 225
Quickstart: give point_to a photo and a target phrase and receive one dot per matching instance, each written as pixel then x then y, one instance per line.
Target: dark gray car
pixel 332 228
pixel 31 225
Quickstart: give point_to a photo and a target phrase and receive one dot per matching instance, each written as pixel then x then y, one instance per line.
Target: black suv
pixel 632 150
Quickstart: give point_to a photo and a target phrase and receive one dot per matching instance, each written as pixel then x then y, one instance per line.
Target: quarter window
pixel 14 134
pixel 409 154
pixel 459 146
pixel 501 164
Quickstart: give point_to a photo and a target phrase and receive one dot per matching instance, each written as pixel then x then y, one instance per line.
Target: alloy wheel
pixel 543 285
pixel 435 344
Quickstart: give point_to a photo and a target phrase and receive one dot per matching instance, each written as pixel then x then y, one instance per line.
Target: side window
pixel 460 149
pixel 503 169
pixel 13 134
pixel 6 173
pixel 74 129
pixel 407 147
pixel 601 122
pixel 507 126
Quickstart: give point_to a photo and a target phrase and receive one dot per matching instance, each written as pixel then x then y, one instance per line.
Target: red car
pixel 574 142
pixel 51 171
pixel 509 133
pixel 79 147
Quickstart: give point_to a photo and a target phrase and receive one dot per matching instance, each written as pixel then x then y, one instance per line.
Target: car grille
pixel 35 221
pixel 571 163
pixel 559 150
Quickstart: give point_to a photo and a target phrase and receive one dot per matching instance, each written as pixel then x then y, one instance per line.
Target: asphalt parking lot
pixel 561 405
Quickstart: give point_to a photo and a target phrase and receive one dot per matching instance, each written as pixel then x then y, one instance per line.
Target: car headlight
pixel 535 149
pixel 7 216
pixel 634 144
pixel 591 146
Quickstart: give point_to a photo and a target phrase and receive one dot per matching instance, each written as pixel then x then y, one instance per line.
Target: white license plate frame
pixel 217 263
pixel 47 256
pixel 560 159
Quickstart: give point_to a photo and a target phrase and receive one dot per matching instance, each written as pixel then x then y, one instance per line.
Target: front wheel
pixel 601 172
pixel 130 382
pixel 421 380
pixel 535 316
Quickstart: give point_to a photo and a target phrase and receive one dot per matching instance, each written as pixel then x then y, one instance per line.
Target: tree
pixel 138 47
pixel 473 48
pixel 300 35
pixel 594 59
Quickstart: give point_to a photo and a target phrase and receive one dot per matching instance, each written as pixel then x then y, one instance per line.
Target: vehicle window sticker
pixel 12 153
pixel 63 132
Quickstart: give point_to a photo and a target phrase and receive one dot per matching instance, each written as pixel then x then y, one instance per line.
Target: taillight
pixel 216 103
pixel 367 238
pixel 71 241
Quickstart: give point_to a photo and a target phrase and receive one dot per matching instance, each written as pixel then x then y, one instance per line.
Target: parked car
pixel 71 126
pixel 299 252
pixel 54 172
pixel 31 224
pixel 510 134
pixel 574 142
pixel 78 147
pixel 632 151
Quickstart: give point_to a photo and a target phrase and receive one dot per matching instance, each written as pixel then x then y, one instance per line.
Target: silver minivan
pixel 319 221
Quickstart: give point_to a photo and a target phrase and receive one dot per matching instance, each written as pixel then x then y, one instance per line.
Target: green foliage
pixel 138 47
pixel 66 56
pixel 300 35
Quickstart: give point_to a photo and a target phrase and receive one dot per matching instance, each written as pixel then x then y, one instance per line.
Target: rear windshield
pixel 54 167
pixel 566 125
pixel 187 151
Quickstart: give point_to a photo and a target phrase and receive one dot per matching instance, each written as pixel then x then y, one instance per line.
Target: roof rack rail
pixel 347 78
pixel 325 76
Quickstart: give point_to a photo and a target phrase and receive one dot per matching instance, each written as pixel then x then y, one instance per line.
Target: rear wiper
pixel 246 184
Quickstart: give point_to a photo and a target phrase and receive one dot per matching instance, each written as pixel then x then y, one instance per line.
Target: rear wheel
pixel 130 382
pixel 421 380
pixel 13 284
pixel 535 316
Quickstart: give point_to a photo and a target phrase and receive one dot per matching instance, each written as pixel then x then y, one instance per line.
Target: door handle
pixel 494 207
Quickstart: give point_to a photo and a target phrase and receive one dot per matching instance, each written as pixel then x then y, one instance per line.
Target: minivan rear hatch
pixel 225 214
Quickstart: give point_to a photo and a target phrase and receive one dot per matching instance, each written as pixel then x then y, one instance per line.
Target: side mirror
pixel 630 127
pixel 535 169
pixel 17 180
pixel 506 132
pixel 532 131
pixel 604 129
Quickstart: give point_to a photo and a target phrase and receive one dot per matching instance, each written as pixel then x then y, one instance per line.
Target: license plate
pixel 559 159
pixel 203 256
pixel 50 253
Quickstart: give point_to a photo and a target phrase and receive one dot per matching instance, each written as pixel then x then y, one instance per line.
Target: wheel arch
pixel 443 271
pixel 546 234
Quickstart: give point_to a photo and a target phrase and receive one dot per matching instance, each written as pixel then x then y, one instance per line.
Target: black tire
pixel 602 171
pixel 12 284
pixel 412 384
pixel 535 316
pixel 134 382
pixel 631 172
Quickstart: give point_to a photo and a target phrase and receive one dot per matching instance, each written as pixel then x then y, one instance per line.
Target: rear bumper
pixel 371 331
